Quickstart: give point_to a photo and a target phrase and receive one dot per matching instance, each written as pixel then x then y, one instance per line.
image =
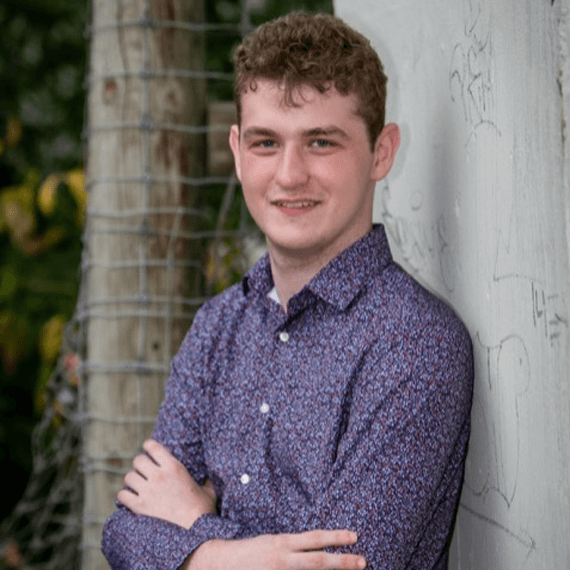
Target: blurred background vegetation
pixel 43 65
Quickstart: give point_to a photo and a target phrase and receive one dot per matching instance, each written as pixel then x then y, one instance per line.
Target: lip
pixel 294 208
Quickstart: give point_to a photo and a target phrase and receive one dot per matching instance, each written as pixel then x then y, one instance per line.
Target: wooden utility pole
pixel 141 266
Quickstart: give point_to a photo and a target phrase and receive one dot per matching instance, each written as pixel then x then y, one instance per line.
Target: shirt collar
pixel 341 279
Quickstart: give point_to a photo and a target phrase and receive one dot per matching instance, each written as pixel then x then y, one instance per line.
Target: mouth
pixel 296 204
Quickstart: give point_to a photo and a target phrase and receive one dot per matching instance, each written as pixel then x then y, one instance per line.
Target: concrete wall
pixel 477 208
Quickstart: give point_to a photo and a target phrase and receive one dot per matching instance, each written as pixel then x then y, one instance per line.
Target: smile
pixel 299 205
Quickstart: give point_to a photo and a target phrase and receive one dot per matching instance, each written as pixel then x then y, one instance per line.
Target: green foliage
pixel 42 65
pixel 39 259
pixel 43 56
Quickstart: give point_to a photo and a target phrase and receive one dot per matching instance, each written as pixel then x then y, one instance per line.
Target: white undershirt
pixel 273 295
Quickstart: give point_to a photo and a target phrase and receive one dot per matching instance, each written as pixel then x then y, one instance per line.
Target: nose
pixel 292 169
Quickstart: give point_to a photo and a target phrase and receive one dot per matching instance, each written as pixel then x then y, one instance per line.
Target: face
pixel 307 172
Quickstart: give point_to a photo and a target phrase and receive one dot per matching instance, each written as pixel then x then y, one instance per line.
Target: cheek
pixel 256 174
pixel 253 194
pixel 334 172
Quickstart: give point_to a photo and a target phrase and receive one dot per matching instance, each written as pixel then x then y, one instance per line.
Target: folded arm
pixel 160 486
pixel 167 511
pixel 149 540
pixel 395 480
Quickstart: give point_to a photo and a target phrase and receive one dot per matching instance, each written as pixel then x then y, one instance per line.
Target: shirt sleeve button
pixel 264 408
pixel 283 336
pixel 245 479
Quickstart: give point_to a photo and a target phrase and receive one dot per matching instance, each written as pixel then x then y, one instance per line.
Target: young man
pixel 317 414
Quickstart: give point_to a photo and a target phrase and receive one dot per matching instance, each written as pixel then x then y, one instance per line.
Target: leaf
pixel 13 132
pixel 17 208
pixel 40 244
pixel 76 182
pixel 8 282
pixel 50 338
pixel 13 336
pixel 47 194
pixel 75 179
pixel 20 221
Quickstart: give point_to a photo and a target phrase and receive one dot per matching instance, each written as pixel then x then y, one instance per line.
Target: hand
pixel 161 487
pixel 301 551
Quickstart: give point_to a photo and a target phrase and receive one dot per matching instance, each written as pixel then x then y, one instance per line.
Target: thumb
pixel 209 489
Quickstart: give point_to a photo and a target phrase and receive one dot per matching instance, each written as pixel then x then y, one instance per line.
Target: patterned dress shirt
pixel 351 410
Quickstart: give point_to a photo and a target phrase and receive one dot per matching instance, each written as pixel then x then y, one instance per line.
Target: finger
pixel 157 452
pixel 127 497
pixel 144 465
pixel 133 473
pixel 328 561
pixel 133 479
pixel 209 489
pixel 319 539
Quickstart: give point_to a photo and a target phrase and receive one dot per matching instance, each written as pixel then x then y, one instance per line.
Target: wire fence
pixel 82 448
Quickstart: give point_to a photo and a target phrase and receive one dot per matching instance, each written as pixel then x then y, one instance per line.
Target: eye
pixel 265 143
pixel 322 143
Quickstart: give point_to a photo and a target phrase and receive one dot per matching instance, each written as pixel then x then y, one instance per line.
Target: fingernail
pixel 362 563
pixel 354 536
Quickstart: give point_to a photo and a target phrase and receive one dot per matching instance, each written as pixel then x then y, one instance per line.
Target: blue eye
pixel 322 143
pixel 265 144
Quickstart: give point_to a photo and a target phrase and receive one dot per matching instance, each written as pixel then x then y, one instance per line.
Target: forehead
pixel 268 103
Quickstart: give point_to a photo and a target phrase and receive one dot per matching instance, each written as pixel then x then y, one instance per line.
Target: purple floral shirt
pixel 350 411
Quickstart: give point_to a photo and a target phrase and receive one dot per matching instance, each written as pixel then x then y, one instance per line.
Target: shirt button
pixel 283 336
pixel 245 479
pixel 264 408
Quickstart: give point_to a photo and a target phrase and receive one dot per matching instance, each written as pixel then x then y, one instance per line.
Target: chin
pixel 288 238
pixel 295 247
pixel 289 246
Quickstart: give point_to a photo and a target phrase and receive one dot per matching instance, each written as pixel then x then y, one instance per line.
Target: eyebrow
pixel 258 132
pixel 325 132
pixel 310 133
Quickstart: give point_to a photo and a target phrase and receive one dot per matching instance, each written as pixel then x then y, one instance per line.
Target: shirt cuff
pixel 207 527
pixel 147 543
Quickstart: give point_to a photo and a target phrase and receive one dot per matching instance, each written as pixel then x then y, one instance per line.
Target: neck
pixel 292 272
pixel 291 275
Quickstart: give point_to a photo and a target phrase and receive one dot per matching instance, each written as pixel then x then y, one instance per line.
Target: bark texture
pixel 141 267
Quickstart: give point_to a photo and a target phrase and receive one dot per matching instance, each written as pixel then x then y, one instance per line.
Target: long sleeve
pixel 138 542
pixel 399 467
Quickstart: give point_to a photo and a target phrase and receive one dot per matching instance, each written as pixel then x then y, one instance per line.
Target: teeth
pixel 296 204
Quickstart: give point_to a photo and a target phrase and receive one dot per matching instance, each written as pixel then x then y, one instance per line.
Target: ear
pixel 385 149
pixel 234 145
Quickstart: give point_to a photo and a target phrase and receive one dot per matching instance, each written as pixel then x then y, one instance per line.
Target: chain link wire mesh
pixel 44 528
pixel 57 522
pixel 47 530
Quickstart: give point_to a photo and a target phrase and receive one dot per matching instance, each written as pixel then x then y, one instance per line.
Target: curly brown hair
pixel 319 50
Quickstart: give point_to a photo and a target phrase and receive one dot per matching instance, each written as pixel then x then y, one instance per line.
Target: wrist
pixel 200 559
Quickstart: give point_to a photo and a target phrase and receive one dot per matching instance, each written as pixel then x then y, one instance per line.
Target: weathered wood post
pixel 142 263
